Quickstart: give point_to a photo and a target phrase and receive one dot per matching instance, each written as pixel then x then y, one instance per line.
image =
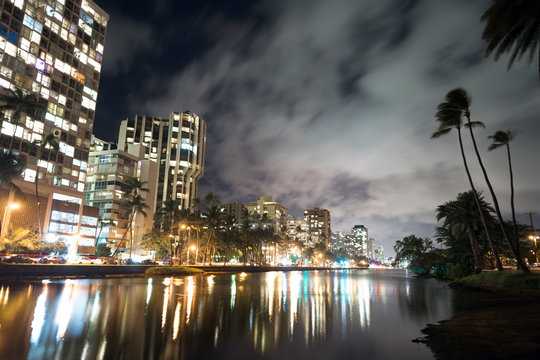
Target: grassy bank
pixel 172 270
pixel 503 323
pixel 494 280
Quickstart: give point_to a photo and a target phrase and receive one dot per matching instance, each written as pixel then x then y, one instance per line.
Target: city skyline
pixel 336 116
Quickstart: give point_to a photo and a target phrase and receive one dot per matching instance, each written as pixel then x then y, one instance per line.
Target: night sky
pixel 326 103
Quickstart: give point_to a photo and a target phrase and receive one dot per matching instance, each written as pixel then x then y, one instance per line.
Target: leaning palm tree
pixel 462 101
pixel 461 215
pixel 18 102
pixel 503 138
pixel 449 114
pixel 135 205
pixel 48 142
pixel 512 26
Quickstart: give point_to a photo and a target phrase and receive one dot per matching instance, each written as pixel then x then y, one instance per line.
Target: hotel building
pixel 52 50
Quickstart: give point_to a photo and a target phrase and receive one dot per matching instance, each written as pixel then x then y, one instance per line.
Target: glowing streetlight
pixel 192 248
pixel 7 217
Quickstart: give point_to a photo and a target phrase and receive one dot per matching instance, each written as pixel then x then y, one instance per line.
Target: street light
pixel 7 216
pixel 534 238
pixel 192 247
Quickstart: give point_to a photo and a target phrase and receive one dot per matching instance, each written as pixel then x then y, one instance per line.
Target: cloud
pixel 333 106
pixel 126 39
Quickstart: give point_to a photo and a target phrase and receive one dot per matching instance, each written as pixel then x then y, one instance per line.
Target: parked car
pixel 109 261
pixel 129 262
pixel 149 262
pixel 18 259
pixel 89 259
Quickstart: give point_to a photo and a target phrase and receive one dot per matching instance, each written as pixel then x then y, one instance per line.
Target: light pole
pixel 5 219
pixel 534 238
pixel 533 235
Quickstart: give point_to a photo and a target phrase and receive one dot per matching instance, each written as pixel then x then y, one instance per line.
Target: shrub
pixel 172 270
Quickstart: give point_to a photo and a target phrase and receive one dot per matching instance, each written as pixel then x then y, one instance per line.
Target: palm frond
pixel 440 133
pixel 475 124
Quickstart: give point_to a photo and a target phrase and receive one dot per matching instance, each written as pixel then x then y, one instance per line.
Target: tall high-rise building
pixel 319 224
pixel 371 248
pixel 360 235
pixel 51 54
pixel 177 144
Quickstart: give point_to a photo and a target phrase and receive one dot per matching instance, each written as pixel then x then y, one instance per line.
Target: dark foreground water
pixel 362 314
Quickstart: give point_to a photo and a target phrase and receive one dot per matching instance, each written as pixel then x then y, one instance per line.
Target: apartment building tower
pixel 109 170
pixel 51 52
pixel 177 144
pixel 319 224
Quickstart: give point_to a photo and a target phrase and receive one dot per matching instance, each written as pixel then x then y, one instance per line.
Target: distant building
pixel 177 144
pixel 265 208
pixel 319 224
pixel 108 171
pixel 297 229
pixel 236 211
pixel 360 235
pixel 379 254
pixel 370 248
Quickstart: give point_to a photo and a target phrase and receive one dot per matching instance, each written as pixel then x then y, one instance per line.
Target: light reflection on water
pixel 274 315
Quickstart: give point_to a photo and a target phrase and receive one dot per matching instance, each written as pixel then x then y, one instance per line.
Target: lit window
pixel 29 175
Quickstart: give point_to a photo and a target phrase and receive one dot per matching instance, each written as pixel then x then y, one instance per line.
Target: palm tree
pixel 101 223
pixel 503 138
pixel 208 209
pixel 512 26
pixel 12 169
pixel 461 215
pixel 449 114
pixel 134 186
pixel 462 100
pixel 135 204
pixel 19 102
pixel 50 142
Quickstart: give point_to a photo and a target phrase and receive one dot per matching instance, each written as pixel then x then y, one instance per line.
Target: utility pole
pixel 533 234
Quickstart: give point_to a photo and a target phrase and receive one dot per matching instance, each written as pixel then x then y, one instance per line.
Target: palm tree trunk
pixel 99 233
pixel 514 222
pixel 479 207
pixel 131 236
pixel 16 115
pixel 520 264
pixel 474 245
pixel 37 192
pixel 123 236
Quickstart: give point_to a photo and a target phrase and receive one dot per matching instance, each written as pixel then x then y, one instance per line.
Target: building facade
pixel 177 144
pixel 235 211
pixel 266 209
pixel 108 171
pixel 319 224
pixel 298 229
pixel 51 52
pixel 360 236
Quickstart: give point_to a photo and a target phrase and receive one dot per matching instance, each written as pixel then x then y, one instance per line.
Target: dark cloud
pixel 332 105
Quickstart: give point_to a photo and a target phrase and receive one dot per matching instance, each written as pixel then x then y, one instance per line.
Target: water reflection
pixel 313 315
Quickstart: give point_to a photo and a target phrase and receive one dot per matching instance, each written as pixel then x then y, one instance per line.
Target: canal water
pixel 352 314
